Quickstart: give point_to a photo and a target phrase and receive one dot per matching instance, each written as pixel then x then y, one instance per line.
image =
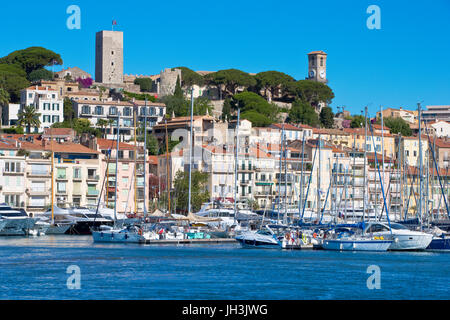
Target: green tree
pixel 28 117
pixel 182 106
pixel 190 77
pixel 178 91
pixel 273 82
pixel 226 109
pixel 310 91
pixel 398 125
pixel 40 74
pixel 33 58
pixel 13 79
pixel 255 108
pixel 4 101
pixel 68 112
pixel 358 121
pixel 152 145
pixel 199 192
pixel 103 123
pixel 79 125
pixel 230 79
pixel 302 112
pixel 326 117
pixel 145 84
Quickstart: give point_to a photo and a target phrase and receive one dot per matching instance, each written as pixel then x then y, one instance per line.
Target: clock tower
pixel 317 66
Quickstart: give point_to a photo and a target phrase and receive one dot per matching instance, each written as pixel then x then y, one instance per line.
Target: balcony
pixel 13 173
pixel 61 177
pixel 61 192
pixel 93 177
pixel 77 178
pixel 39 174
pixel 92 193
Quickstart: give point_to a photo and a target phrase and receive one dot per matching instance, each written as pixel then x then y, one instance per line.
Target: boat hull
pixel 356 245
pixel 58 229
pixel 85 227
pixel 411 242
pixel 112 236
pixel 439 244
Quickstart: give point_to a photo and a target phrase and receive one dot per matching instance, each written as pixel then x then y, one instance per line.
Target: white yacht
pixel 403 238
pixel 263 238
pixel 18 223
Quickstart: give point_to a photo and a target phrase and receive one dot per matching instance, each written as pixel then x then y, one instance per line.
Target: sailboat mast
pixel 318 177
pixel 301 175
pixel 285 178
pixel 365 163
pixel 236 145
pixel 167 168
pixel 117 165
pixel 190 149
pixel 145 160
pixel 134 158
pixel 53 191
pixel 420 165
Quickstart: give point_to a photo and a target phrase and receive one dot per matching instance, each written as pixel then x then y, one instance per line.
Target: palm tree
pixel 29 117
pixel 103 123
pixel 4 100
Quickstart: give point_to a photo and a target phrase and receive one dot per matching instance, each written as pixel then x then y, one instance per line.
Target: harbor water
pixel 37 268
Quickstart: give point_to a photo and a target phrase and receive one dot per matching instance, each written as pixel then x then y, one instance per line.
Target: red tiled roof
pixel 105 144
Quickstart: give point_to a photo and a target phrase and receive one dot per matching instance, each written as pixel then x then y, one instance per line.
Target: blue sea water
pixel 35 268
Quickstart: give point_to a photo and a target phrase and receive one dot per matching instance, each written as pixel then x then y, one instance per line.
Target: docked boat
pixel 128 234
pixel 440 241
pixel 17 222
pixel 263 238
pixel 346 239
pixel 85 219
pixel 402 237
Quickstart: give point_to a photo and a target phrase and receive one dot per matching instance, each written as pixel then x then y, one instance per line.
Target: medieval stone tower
pixel 168 81
pixel 317 66
pixel 109 57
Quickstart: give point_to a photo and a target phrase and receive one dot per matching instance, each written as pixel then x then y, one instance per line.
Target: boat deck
pixel 299 247
pixel 190 241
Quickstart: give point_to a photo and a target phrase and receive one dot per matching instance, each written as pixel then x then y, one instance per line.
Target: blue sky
pixel 405 62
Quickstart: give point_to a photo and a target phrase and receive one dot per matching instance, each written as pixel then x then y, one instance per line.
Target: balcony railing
pixel 92 193
pixel 93 177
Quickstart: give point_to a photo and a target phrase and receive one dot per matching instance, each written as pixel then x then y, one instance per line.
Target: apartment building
pixel 47 102
pixel 12 174
pixel 94 110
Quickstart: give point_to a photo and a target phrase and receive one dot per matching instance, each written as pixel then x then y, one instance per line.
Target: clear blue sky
pixel 407 61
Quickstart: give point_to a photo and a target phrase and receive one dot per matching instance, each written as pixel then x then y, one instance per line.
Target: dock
pixel 191 241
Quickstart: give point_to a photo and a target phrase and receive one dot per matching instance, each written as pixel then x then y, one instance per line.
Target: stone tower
pixel 168 81
pixel 109 57
pixel 317 66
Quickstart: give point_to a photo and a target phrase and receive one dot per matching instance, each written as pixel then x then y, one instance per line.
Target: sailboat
pixel 116 233
pixel 355 237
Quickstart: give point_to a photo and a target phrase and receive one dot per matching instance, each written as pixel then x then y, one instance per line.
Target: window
pixel 127 111
pixel 55 119
pixel 86 110
pixel 99 110
pixel 112 63
pixel 61 173
pixel 112 53
pixel 61 187
pixel 321 61
pixel 125 180
pixel 125 166
pixel 120 154
pixel 113 111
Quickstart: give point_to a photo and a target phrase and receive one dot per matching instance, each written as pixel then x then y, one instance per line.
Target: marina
pixel 35 268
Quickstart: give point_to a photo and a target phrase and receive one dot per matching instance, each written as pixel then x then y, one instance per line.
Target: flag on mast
pixel 114 23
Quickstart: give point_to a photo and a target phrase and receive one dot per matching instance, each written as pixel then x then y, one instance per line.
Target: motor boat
pixel 262 238
pixel 403 238
pixel 17 222
pixel 85 219
pixel 60 224
pixel 128 234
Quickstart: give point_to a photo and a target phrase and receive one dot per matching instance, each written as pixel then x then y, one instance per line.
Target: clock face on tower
pixel 312 73
pixel 322 74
